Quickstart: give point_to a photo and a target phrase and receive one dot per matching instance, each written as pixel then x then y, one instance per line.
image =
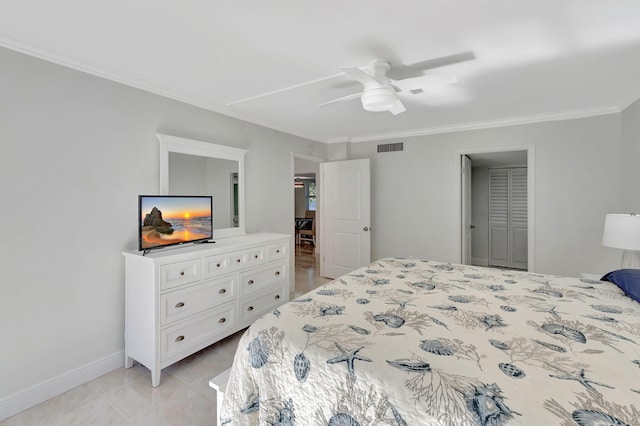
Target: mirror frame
pixel 169 144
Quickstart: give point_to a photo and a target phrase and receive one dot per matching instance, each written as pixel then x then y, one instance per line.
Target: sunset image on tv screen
pixel 173 220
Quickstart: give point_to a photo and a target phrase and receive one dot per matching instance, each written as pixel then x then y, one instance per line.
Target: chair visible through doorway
pixel 307 231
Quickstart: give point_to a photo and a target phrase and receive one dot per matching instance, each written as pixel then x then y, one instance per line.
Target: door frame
pixel 531 161
pixel 465 208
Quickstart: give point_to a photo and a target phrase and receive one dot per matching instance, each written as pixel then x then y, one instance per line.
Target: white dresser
pixel 178 301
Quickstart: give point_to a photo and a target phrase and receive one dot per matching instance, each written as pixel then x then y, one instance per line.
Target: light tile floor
pixel 126 397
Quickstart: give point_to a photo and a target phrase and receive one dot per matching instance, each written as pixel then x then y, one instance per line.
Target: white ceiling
pixel 516 61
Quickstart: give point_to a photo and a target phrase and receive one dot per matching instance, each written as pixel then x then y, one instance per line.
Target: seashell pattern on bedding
pixel 416 342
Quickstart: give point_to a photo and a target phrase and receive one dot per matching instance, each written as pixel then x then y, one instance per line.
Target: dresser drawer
pixel 179 273
pixel 180 338
pixel 255 306
pixel 193 300
pixel 256 256
pixel 259 278
pixel 277 251
pixel 217 265
pixel 231 262
pixel 238 260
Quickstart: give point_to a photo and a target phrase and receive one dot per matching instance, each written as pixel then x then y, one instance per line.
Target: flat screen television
pixel 167 220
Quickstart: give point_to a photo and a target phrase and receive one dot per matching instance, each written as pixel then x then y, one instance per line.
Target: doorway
pixel 497 206
pixel 342 215
pixel 306 205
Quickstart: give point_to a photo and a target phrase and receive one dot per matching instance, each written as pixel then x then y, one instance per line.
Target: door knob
pixel 366 228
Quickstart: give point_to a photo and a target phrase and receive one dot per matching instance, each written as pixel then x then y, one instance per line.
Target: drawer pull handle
pixel 179 304
pixel 221 320
pixel 238 260
pixel 250 282
pixel 277 273
pixel 278 251
pixel 179 338
pixel 217 265
pixel 181 273
pixel 250 308
pixel 222 291
pixel 277 297
pixel 256 256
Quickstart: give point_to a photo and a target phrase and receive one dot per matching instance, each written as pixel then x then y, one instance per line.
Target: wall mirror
pixel 190 167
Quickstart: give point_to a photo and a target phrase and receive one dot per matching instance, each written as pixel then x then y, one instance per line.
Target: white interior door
pixel 345 217
pixel 466 210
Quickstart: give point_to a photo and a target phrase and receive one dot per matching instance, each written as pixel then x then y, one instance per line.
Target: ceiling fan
pixel 380 92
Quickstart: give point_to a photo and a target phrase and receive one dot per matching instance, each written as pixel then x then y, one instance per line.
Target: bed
pixel 416 342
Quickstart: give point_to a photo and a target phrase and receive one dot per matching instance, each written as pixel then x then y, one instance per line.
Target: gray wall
pixel 630 168
pixel 480 216
pixel 75 151
pixel 576 161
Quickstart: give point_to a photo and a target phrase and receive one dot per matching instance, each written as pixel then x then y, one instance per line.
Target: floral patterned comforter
pixel 414 342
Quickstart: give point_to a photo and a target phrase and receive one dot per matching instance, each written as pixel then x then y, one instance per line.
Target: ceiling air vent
pixel 391 147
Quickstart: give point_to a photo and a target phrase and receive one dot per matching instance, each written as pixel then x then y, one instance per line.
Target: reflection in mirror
pixel 189 167
pixel 194 174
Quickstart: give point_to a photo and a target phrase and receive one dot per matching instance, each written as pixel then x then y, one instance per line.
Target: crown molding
pixel 629 98
pixel 20 44
pixel 514 121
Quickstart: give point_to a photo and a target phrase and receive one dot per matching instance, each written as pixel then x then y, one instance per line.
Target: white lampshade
pixel 622 231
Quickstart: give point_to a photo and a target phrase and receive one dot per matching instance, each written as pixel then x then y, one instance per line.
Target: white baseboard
pixel 34 395
pixel 477 261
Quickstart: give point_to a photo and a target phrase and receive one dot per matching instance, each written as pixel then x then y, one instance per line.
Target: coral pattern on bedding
pixel 414 342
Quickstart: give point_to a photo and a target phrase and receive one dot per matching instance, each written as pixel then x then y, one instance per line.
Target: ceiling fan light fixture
pixel 379 99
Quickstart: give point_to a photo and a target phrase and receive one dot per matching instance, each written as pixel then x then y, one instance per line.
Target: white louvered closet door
pixel 518 215
pixel 508 218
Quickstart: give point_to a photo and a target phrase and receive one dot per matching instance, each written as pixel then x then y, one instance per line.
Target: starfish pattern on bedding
pixel 578 375
pixel 350 357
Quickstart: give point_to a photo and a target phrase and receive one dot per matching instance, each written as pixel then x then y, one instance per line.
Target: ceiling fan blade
pixel 425 81
pixel 361 76
pixel 400 71
pixel 397 108
pixel 342 99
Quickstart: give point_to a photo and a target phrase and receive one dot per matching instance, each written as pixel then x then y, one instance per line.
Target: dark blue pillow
pixel 628 280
